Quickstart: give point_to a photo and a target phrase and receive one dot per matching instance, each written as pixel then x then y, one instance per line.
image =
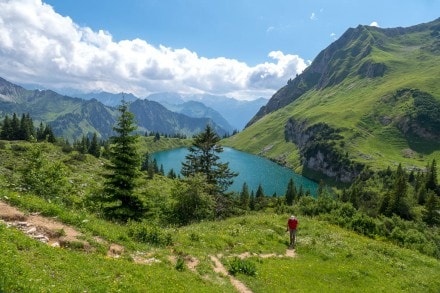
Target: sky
pixel 238 48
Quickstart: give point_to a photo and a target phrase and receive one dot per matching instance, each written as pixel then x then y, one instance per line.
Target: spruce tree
pixel 95 148
pixel 6 129
pixel 123 203
pixel 431 215
pixel 203 158
pixel 291 192
pixel 244 197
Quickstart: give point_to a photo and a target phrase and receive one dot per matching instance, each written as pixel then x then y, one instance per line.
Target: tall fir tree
pixel 95 148
pixel 291 192
pixel 120 183
pixel 245 196
pixel 203 158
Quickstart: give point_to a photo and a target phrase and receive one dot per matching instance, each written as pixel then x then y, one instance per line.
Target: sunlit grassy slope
pixel 355 104
pixel 327 259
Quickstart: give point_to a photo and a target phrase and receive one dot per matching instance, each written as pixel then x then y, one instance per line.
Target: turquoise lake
pixel 253 170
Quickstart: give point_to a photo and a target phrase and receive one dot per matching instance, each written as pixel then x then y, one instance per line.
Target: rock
pixel 31 230
pixel 41 238
pixel 55 244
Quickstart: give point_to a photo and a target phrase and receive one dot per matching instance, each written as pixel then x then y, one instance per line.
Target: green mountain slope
pixel 71 118
pixel 372 98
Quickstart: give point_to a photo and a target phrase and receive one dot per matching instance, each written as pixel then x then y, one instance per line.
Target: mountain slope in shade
pixel 108 99
pixel 370 99
pixel 199 110
pixel 152 116
pixel 236 112
pixel 71 118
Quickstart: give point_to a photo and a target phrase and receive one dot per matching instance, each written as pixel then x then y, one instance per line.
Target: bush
pixel 147 233
pixel 243 266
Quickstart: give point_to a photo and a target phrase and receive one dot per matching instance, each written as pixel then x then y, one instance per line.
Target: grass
pixel 355 105
pixel 328 259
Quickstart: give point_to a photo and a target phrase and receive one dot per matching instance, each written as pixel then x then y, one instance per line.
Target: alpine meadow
pixel 84 206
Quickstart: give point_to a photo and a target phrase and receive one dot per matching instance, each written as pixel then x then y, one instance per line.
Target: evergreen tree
pixel 95 148
pixel 432 213
pixel 300 192
pixel 6 129
pixel 260 198
pixel 252 204
pixel 123 203
pixel 48 134
pixel 15 127
pixel 40 132
pixel 155 166
pixel 145 162
pixel 398 204
pixel 172 174
pixel 26 128
pixel 244 196
pixel 431 177
pixel 203 158
pixel 161 170
pixel 291 192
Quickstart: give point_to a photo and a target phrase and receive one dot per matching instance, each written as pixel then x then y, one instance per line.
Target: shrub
pixel 180 264
pixel 243 266
pixel 147 233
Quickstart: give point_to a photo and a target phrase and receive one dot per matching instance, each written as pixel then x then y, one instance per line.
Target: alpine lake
pixel 253 170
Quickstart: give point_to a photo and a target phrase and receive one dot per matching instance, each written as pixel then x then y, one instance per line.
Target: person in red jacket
pixel 292 223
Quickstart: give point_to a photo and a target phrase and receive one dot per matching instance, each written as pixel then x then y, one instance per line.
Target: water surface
pixel 253 170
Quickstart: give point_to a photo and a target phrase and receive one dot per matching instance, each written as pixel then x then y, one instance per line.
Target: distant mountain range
pixel 369 100
pixel 236 112
pixel 229 113
pixel 71 118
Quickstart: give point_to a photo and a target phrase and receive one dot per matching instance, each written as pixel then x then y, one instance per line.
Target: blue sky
pixel 240 48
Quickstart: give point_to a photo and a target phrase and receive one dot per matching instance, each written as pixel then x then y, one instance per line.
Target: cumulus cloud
pixel 313 16
pixel 39 46
pixel 374 23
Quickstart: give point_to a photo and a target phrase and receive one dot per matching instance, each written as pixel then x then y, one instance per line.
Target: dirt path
pixel 220 269
pixel 41 228
pixel 58 234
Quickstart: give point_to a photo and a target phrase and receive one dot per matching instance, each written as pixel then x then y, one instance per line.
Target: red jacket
pixel 292 223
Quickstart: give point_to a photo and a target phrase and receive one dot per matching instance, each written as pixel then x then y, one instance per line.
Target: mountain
pixel 236 112
pixel 199 110
pixel 369 100
pixel 71 118
pixel 152 116
pixel 108 99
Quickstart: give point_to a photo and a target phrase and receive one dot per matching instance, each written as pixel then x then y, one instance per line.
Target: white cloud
pixel 39 46
pixel 374 23
pixel 333 36
pixel 313 16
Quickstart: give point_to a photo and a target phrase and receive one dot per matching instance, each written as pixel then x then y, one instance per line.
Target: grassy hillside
pixel 327 258
pixel 160 257
pixel 372 113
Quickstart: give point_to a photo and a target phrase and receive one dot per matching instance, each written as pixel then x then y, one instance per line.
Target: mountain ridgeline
pixel 371 98
pixel 71 118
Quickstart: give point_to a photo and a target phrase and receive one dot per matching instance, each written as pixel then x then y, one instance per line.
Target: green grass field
pixel 328 258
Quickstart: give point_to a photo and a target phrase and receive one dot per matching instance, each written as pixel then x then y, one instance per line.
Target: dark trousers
pixel 292 237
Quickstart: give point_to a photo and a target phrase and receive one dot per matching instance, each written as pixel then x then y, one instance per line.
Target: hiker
pixel 291 227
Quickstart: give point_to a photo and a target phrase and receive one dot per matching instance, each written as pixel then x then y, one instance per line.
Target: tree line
pixel 23 129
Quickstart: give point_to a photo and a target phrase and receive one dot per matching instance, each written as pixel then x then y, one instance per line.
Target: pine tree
pixel 123 203
pixel 431 177
pixel 260 198
pixel 244 196
pixel 291 192
pixel 252 204
pixel 398 204
pixel 432 213
pixel 15 127
pixel 95 148
pixel 6 129
pixel 203 158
